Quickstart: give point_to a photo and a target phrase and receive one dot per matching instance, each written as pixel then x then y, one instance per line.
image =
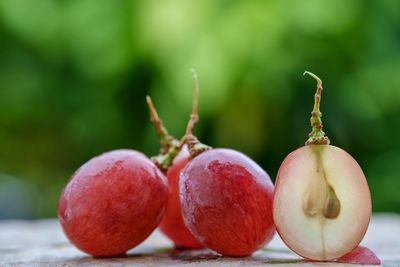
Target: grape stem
pixel 317 135
pixel 194 117
pixel 194 145
pixel 164 138
pixel 168 143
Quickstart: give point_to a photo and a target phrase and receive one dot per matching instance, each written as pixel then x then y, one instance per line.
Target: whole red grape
pixel 172 224
pixel 226 202
pixel 113 202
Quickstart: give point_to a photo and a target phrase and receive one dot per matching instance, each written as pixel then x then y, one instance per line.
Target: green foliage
pixel 74 75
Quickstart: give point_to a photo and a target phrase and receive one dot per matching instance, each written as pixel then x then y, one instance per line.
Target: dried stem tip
pixel 164 138
pixel 194 117
pixel 317 135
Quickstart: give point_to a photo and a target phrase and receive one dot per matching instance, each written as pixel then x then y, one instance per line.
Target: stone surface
pixel 42 243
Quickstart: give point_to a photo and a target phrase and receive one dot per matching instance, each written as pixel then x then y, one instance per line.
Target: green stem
pixel 168 144
pixel 164 161
pixel 317 135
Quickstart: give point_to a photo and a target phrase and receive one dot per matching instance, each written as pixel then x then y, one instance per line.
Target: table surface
pixel 42 243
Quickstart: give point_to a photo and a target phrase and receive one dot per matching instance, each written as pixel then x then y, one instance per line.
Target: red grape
pixel 172 223
pixel 226 202
pixel 113 202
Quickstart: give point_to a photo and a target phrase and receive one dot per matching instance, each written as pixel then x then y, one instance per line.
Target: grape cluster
pixel 219 198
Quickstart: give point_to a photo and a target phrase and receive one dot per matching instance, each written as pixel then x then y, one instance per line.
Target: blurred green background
pixel 74 75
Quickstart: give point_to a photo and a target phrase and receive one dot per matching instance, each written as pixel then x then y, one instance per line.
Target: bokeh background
pixel 74 75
